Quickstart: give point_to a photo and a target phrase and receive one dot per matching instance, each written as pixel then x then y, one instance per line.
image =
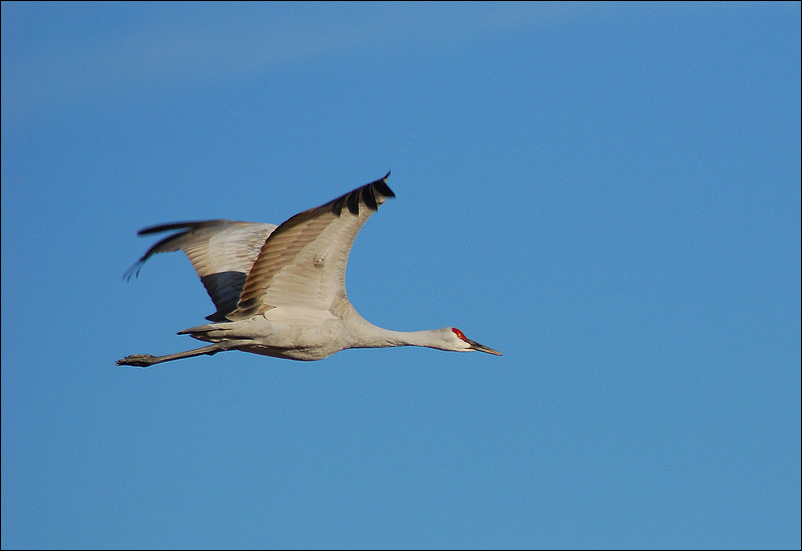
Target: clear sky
pixel 609 194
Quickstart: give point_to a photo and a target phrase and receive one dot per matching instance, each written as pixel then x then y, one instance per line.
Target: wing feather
pixel 303 262
pixel 221 251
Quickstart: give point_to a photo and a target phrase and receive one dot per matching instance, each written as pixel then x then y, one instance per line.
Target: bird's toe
pixel 137 360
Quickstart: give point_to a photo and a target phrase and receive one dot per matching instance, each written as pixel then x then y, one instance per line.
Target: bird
pixel 279 291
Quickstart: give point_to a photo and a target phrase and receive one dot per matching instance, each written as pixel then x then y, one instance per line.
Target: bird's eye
pixel 459 334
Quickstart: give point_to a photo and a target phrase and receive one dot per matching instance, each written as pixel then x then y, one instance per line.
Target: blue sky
pixel 609 194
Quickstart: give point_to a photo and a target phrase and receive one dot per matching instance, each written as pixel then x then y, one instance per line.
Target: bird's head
pixel 457 341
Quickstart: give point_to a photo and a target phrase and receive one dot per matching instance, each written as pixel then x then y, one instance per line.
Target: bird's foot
pixel 138 360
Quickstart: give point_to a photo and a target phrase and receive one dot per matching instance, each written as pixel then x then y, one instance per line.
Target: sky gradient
pixel 609 194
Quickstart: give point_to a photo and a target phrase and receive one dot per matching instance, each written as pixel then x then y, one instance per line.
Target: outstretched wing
pixel 303 262
pixel 222 252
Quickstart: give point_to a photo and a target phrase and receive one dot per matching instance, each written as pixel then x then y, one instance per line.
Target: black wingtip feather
pixel 353 202
pixel 369 198
pixel 366 193
pixel 178 226
pixel 383 188
pixel 337 205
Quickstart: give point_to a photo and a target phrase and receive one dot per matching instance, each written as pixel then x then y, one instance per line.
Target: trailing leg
pixel 147 360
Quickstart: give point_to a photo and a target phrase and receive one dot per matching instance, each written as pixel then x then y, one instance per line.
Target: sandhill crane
pixel 280 290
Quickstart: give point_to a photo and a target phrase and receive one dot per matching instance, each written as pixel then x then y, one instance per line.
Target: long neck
pixel 373 336
pixel 381 338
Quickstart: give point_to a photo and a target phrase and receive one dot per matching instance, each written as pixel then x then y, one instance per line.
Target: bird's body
pixel 280 290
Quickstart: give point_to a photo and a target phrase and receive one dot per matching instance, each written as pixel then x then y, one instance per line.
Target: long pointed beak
pixel 482 348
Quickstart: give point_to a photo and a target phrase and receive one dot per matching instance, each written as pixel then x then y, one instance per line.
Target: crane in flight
pixel 280 290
